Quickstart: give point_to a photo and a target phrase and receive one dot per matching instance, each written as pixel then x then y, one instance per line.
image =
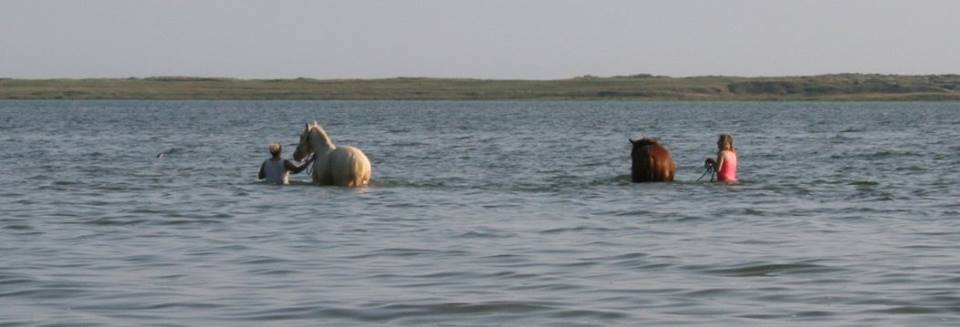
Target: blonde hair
pixel 274 148
pixel 725 141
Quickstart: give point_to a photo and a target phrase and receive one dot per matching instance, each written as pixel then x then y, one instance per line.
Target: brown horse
pixel 651 162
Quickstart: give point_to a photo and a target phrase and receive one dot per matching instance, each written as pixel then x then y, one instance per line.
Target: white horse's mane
pixel 315 130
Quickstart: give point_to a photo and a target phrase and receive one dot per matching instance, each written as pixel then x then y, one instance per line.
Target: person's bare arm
pixel 296 169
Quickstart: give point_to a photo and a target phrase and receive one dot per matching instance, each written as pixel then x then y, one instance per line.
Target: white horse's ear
pixel 306 126
pixel 315 123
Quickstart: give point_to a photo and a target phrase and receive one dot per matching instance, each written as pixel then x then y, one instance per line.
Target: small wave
pixel 47 292
pixel 626 256
pixel 158 217
pixel 425 184
pixel 593 164
pixel 853 130
pixel 108 221
pixel 549 287
pixel 428 276
pixel 486 234
pixel 709 292
pixel 176 222
pixel 912 169
pixel 404 205
pixel 144 259
pixel 397 312
pixel 398 130
pixel 180 305
pixel 456 308
pixel 578 229
pixel 554 183
pixel 635 213
pixel 766 270
pixel 512 275
pixel 792 316
pixel 11 279
pixel 408 144
pixel 590 314
pixel 603 244
pixel 226 249
pixel 754 212
pixel 124 302
pixel 886 154
pixel 258 260
pixel 635 260
pixel 621 180
pixel 908 309
pixel 505 259
pixel 18 227
pixel 97 203
pixel 407 252
pixel 758 242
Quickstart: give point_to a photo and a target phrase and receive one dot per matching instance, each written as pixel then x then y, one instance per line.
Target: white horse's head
pixel 312 139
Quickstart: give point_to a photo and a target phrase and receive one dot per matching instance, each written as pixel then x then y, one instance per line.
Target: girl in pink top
pixel 726 163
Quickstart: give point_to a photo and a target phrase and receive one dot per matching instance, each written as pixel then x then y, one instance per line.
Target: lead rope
pixel 708 168
pixel 312 164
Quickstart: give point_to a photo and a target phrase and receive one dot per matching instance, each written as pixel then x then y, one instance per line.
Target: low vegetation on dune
pixel 860 87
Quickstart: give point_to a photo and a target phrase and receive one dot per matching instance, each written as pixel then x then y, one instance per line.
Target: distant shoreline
pixel 837 87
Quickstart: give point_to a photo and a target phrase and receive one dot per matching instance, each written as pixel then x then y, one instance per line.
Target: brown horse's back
pixel 652 162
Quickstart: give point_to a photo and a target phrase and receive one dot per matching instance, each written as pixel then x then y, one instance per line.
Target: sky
pixel 492 39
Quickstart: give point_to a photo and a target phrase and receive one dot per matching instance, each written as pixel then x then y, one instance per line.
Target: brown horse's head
pixel 651 162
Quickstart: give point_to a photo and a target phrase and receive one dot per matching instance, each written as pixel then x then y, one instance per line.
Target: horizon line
pixel 586 76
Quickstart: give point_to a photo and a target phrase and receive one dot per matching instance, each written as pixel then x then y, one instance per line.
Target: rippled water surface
pixel 480 213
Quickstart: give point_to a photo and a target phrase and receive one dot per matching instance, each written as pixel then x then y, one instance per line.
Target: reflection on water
pixel 481 213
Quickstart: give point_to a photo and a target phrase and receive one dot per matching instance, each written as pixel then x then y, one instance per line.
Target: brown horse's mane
pixel 645 141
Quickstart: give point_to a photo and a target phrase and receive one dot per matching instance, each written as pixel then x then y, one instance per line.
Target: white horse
pixel 343 166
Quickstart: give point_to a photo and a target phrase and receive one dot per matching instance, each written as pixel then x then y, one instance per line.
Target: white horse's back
pixel 349 167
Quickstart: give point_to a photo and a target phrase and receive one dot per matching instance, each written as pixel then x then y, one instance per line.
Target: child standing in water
pixel 276 170
pixel 726 163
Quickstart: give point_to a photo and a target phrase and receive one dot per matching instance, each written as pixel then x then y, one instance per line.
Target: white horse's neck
pixel 321 141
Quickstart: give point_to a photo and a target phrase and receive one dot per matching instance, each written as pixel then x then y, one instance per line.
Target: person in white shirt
pixel 276 170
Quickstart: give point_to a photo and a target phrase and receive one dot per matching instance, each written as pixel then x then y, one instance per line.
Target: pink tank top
pixel 728 172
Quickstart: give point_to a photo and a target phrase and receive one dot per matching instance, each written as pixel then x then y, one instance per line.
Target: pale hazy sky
pixel 529 39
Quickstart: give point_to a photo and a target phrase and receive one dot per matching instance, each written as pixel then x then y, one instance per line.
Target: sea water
pixel 136 213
